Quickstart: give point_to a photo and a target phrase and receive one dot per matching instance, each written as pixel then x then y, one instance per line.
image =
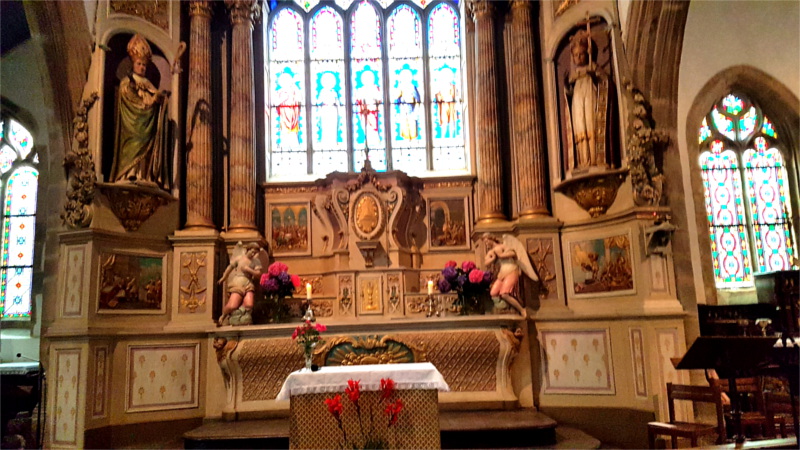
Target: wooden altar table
pixel 417 386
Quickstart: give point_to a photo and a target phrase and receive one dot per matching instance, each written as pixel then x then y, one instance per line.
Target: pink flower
pixel 295 281
pixel 264 279
pixel 476 276
pixel 276 268
pixel 466 266
pixel 451 264
pixel 320 327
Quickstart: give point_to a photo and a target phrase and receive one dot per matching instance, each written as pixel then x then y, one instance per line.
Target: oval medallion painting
pixel 368 216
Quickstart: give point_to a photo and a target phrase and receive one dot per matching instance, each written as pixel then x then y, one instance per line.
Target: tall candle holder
pixel 434 306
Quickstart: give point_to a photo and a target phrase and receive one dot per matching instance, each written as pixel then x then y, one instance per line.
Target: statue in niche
pixel 507 259
pixel 585 66
pixel 140 150
pixel 240 276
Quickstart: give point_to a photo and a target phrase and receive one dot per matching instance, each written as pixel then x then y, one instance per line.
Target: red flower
pixel 466 266
pixel 387 388
pixel 295 281
pixel 451 264
pixel 320 327
pixel 353 390
pixel 393 411
pixel 335 406
pixel 276 268
pixel 476 276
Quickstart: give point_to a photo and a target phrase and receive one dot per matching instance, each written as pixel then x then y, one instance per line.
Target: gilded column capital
pixel 243 11
pixel 200 8
pixel 523 4
pixel 481 8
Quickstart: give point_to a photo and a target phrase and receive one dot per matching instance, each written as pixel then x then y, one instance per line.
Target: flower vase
pixel 307 353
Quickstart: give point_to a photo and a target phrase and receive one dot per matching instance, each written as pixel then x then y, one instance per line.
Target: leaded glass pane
pixel 770 209
pixel 328 112
pixel 747 123
pixel 15 290
pixel 444 49
pixel 18 235
pixel 705 131
pixel 21 192
pixel 768 129
pixel 723 200
pixel 7 158
pixel 733 105
pixel 723 124
pixel 20 138
pixel 367 82
pixel 406 81
pixel 287 114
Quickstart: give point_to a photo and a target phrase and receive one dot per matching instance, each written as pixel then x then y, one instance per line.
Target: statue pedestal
pixel 595 192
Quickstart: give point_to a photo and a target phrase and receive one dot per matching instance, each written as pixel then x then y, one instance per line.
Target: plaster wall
pixel 762 34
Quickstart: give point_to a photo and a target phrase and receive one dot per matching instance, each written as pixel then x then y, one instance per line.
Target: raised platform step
pixel 523 428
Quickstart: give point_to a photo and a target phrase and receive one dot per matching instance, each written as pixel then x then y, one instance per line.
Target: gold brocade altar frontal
pixel 311 425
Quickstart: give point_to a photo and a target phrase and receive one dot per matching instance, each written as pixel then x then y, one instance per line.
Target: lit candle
pixel 308 291
pixel 430 287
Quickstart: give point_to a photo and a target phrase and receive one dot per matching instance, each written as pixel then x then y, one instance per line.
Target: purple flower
pixel 450 274
pixel 444 286
pixel 285 278
pixel 271 285
pixel 461 280
pixel 487 277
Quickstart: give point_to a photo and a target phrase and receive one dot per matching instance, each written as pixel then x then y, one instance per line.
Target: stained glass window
pixel 351 75
pixel 739 144
pixel 20 182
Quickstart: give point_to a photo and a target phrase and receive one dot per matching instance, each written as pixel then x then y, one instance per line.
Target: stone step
pixel 523 428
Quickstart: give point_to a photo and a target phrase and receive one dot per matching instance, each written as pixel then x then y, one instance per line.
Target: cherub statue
pixel 510 255
pixel 240 275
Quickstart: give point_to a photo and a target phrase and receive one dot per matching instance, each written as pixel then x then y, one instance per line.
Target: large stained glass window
pixel 377 76
pixel 746 193
pixel 19 175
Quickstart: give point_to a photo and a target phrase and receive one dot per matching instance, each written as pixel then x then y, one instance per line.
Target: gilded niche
pixel 368 216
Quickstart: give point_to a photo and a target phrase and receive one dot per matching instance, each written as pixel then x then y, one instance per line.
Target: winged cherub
pixel 512 259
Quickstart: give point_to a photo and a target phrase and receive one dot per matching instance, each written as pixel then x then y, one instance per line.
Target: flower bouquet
pixel 307 335
pixel 470 283
pixel 276 285
pixel 369 435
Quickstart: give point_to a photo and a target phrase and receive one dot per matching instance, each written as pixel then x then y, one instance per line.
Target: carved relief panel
pixel 370 294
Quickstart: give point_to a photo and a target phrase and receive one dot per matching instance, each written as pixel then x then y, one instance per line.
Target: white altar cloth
pixel 334 378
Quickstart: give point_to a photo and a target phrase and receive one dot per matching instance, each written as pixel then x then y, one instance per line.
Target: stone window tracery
pixel 746 191
pixel 347 76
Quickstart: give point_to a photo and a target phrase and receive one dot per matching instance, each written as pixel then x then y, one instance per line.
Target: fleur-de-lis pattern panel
pixel 637 351
pixel 73 282
pixel 98 402
pixel 162 377
pixel 669 347
pixel 577 362
pixel 67 379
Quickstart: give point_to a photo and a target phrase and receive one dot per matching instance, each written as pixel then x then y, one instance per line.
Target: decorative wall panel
pixel 467 360
pixel 193 282
pixel 600 267
pixel 577 362
pixel 265 364
pixel 540 251
pixel 152 11
pixel 162 377
pixel 99 400
pixel 637 355
pixel 67 381
pixel 73 282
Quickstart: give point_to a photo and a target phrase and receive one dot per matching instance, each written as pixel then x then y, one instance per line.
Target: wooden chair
pixel 752 405
pixel 779 411
pixel 689 430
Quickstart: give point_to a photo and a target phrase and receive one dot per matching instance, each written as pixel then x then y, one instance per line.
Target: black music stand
pixel 732 357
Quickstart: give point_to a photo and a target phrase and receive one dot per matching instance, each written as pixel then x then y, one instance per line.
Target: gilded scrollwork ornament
pixel 80 168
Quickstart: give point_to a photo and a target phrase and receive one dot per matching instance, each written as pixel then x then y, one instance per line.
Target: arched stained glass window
pixel 19 183
pixel 378 75
pixel 740 147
